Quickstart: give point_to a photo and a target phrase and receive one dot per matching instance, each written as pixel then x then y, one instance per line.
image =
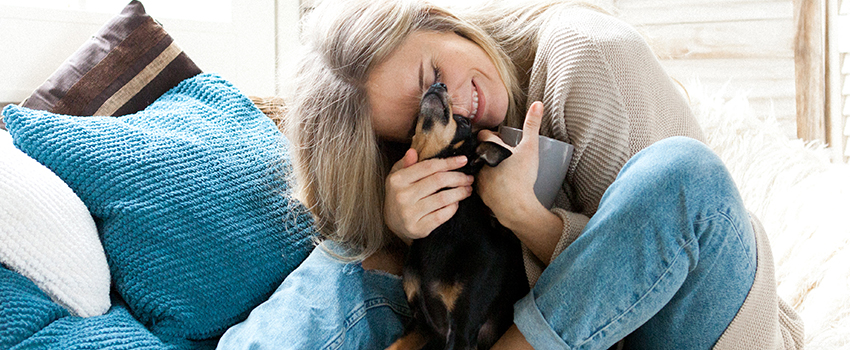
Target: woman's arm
pixel 512 340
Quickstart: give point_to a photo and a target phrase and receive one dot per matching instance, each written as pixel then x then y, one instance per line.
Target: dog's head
pixel 441 134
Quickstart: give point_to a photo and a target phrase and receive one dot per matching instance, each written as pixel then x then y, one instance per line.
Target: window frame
pixel 818 62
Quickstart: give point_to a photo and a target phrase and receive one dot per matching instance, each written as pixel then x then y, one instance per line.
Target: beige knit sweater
pixel 605 93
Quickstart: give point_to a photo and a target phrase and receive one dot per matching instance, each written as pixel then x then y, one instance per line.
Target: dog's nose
pixel 437 87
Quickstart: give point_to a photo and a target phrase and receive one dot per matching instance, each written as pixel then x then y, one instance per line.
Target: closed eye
pixel 438 74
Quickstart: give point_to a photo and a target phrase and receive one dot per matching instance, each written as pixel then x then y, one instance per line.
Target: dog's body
pixel 464 277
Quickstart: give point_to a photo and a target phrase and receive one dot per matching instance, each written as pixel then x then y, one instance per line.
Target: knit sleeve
pixel 573 225
pixel 606 93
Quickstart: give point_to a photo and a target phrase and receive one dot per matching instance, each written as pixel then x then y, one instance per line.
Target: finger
pixel 531 126
pixel 533 119
pixel 446 197
pixel 410 158
pixel 447 179
pixel 436 218
pixel 429 167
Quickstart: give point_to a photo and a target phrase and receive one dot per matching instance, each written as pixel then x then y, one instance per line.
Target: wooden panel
pixel 737 46
pixel 842 40
pixel 736 39
pixel 673 12
pixel 846 110
pixel 837 69
pixel 632 4
pixel 847 127
pixel 841 136
pixel 809 58
pixel 767 83
pixel 846 89
pixel 762 78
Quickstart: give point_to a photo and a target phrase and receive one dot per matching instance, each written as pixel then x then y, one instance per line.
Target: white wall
pixel 34 42
pixel 743 44
pixel 746 46
pixel 288 44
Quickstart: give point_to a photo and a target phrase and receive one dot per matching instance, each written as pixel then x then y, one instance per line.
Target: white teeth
pixel 474 104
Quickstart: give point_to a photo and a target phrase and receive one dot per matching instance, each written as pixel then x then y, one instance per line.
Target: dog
pixel 462 280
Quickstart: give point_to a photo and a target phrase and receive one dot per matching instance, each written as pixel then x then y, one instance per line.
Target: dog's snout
pixel 438 87
pixel 436 103
pixel 434 129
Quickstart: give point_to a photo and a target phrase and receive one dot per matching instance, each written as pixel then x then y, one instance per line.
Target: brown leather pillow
pixel 121 70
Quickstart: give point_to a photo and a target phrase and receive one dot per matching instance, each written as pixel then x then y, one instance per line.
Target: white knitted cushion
pixel 48 235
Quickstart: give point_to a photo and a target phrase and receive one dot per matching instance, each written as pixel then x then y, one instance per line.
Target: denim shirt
pixel 326 304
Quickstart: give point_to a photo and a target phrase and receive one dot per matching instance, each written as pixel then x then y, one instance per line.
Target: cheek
pixel 498 104
pixel 392 119
pixel 393 127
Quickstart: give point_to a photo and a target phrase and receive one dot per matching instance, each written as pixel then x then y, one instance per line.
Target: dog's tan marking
pixel 413 340
pixel 448 293
pixel 411 287
pixel 429 144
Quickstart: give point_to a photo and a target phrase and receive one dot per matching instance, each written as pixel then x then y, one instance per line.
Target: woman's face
pixel 396 86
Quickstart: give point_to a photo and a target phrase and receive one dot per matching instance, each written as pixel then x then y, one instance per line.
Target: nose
pixel 438 87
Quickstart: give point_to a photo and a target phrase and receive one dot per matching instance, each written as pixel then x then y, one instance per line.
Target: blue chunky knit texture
pixel 190 199
pixel 30 320
pixel 24 308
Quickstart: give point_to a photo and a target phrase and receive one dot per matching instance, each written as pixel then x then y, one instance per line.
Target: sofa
pixel 146 204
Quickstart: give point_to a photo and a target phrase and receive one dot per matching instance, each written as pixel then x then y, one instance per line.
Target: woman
pixel 648 243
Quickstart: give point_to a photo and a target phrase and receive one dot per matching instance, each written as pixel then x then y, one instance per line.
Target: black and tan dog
pixel 464 277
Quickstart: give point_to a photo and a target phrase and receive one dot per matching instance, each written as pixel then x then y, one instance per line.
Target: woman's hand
pixel 508 189
pixel 514 177
pixel 414 205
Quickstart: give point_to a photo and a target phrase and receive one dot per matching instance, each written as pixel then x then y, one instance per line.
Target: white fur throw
pixel 48 235
pixel 803 201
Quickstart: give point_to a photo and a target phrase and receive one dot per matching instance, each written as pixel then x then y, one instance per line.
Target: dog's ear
pixel 490 153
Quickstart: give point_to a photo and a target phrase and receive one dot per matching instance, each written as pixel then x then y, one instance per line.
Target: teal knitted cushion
pixel 24 308
pixel 30 320
pixel 190 199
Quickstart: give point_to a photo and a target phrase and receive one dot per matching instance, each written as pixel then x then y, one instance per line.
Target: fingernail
pixel 461 160
pixel 470 178
pixel 538 107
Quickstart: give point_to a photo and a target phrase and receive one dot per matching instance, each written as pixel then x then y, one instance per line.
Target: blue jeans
pixel 666 262
pixel 326 304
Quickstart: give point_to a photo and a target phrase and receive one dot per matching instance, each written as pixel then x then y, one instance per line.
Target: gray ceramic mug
pixel 554 160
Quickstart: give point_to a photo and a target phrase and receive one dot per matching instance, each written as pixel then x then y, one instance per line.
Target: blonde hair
pixel 339 166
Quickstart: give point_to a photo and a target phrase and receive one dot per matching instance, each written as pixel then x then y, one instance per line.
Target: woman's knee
pixel 677 174
pixel 679 159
